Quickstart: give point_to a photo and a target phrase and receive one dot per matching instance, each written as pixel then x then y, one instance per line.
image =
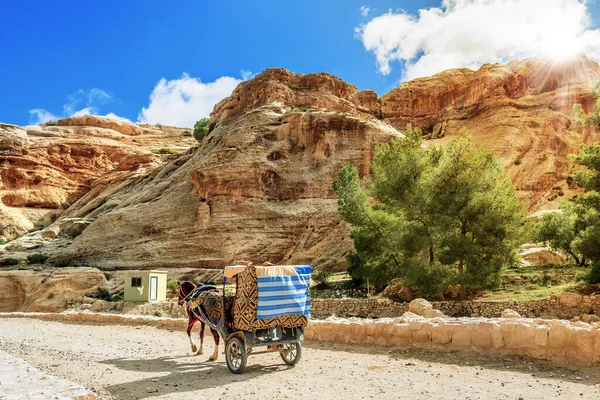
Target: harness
pixel 195 308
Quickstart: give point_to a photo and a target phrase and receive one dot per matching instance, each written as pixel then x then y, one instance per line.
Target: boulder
pixel 508 313
pixel 47 291
pixel 434 314
pixel 570 299
pixel 420 307
pixel 589 318
pixel 539 256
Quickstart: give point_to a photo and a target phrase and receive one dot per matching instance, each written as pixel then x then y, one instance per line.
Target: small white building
pixel 149 285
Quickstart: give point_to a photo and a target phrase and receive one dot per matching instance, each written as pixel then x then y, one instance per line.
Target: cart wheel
pixel 236 355
pixel 291 353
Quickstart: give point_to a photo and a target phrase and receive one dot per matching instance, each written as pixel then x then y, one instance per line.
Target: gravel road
pixel 129 362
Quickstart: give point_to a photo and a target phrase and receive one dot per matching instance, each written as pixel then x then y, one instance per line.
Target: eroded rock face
pixel 259 187
pixel 47 291
pixel 44 170
pixel 521 110
pixel 125 128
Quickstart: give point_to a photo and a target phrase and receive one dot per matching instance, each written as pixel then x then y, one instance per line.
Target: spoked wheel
pixel 291 353
pixel 236 355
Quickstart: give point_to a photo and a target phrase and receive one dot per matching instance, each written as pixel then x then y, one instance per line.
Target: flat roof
pixel 150 271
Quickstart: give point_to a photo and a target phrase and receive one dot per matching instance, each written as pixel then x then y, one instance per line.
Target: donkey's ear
pixel 178 283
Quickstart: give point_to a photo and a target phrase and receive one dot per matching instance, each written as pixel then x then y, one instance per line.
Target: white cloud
pixel 86 98
pixel 39 116
pixel 468 33
pixel 364 11
pixel 183 101
pixel 247 75
pixel 116 117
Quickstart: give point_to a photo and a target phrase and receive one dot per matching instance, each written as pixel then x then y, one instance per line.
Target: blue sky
pixel 108 56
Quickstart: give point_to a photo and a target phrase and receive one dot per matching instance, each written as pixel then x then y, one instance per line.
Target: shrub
pixel 10 262
pixel 62 262
pixel 166 150
pixel 103 294
pixel 49 123
pixel 36 258
pixel 201 129
pixel 172 286
pixel 186 133
pixel 322 278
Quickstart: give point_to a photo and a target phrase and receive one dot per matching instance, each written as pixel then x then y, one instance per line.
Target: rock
pixel 589 318
pixel 126 128
pixel 13 140
pixel 420 307
pixel 434 314
pixel 261 181
pixel 44 171
pixel 47 291
pixel 97 305
pixel 539 256
pixel 570 299
pixel 508 313
pixel 518 110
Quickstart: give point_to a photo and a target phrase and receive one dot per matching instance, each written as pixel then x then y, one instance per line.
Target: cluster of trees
pixel 575 230
pixel 432 217
pixel 450 216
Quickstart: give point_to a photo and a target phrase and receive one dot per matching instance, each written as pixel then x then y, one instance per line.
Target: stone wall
pixel 565 306
pixel 556 340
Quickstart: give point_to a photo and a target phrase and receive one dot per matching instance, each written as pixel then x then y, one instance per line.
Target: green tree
pixel 431 217
pixel 592 118
pixel 201 129
pixel 561 230
pixel 587 205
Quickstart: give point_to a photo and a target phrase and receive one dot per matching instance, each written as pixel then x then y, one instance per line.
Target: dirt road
pixel 128 362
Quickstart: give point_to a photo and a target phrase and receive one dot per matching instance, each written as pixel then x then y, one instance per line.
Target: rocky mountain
pixel 44 170
pixel 522 110
pixel 259 186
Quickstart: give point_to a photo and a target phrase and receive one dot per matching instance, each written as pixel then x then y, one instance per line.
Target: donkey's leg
pixel 191 321
pixel 216 352
pixel 201 349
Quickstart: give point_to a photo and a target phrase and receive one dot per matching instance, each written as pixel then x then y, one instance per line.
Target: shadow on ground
pixel 182 375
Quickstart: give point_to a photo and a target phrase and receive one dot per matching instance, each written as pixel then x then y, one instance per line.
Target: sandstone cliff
pixel 522 110
pixel 259 186
pixel 44 170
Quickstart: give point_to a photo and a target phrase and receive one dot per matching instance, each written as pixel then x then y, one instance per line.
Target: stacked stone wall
pixel 564 306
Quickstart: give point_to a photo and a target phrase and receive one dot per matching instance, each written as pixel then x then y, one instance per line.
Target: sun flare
pixel 560 41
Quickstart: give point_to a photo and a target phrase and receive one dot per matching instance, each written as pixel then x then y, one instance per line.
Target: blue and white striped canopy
pixel 283 290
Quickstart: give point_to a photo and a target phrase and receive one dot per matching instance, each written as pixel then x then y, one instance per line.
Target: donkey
pixel 185 289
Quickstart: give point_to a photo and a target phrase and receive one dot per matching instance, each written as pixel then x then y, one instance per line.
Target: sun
pixel 560 51
pixel 559 45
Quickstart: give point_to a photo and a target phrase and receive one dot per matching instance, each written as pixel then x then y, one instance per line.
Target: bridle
pixel 182 298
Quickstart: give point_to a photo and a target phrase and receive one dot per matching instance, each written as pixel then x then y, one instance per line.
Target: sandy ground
pixel 129 362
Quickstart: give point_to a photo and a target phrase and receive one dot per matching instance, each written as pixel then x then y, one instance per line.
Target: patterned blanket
pixel 283 294
pixel 246 304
